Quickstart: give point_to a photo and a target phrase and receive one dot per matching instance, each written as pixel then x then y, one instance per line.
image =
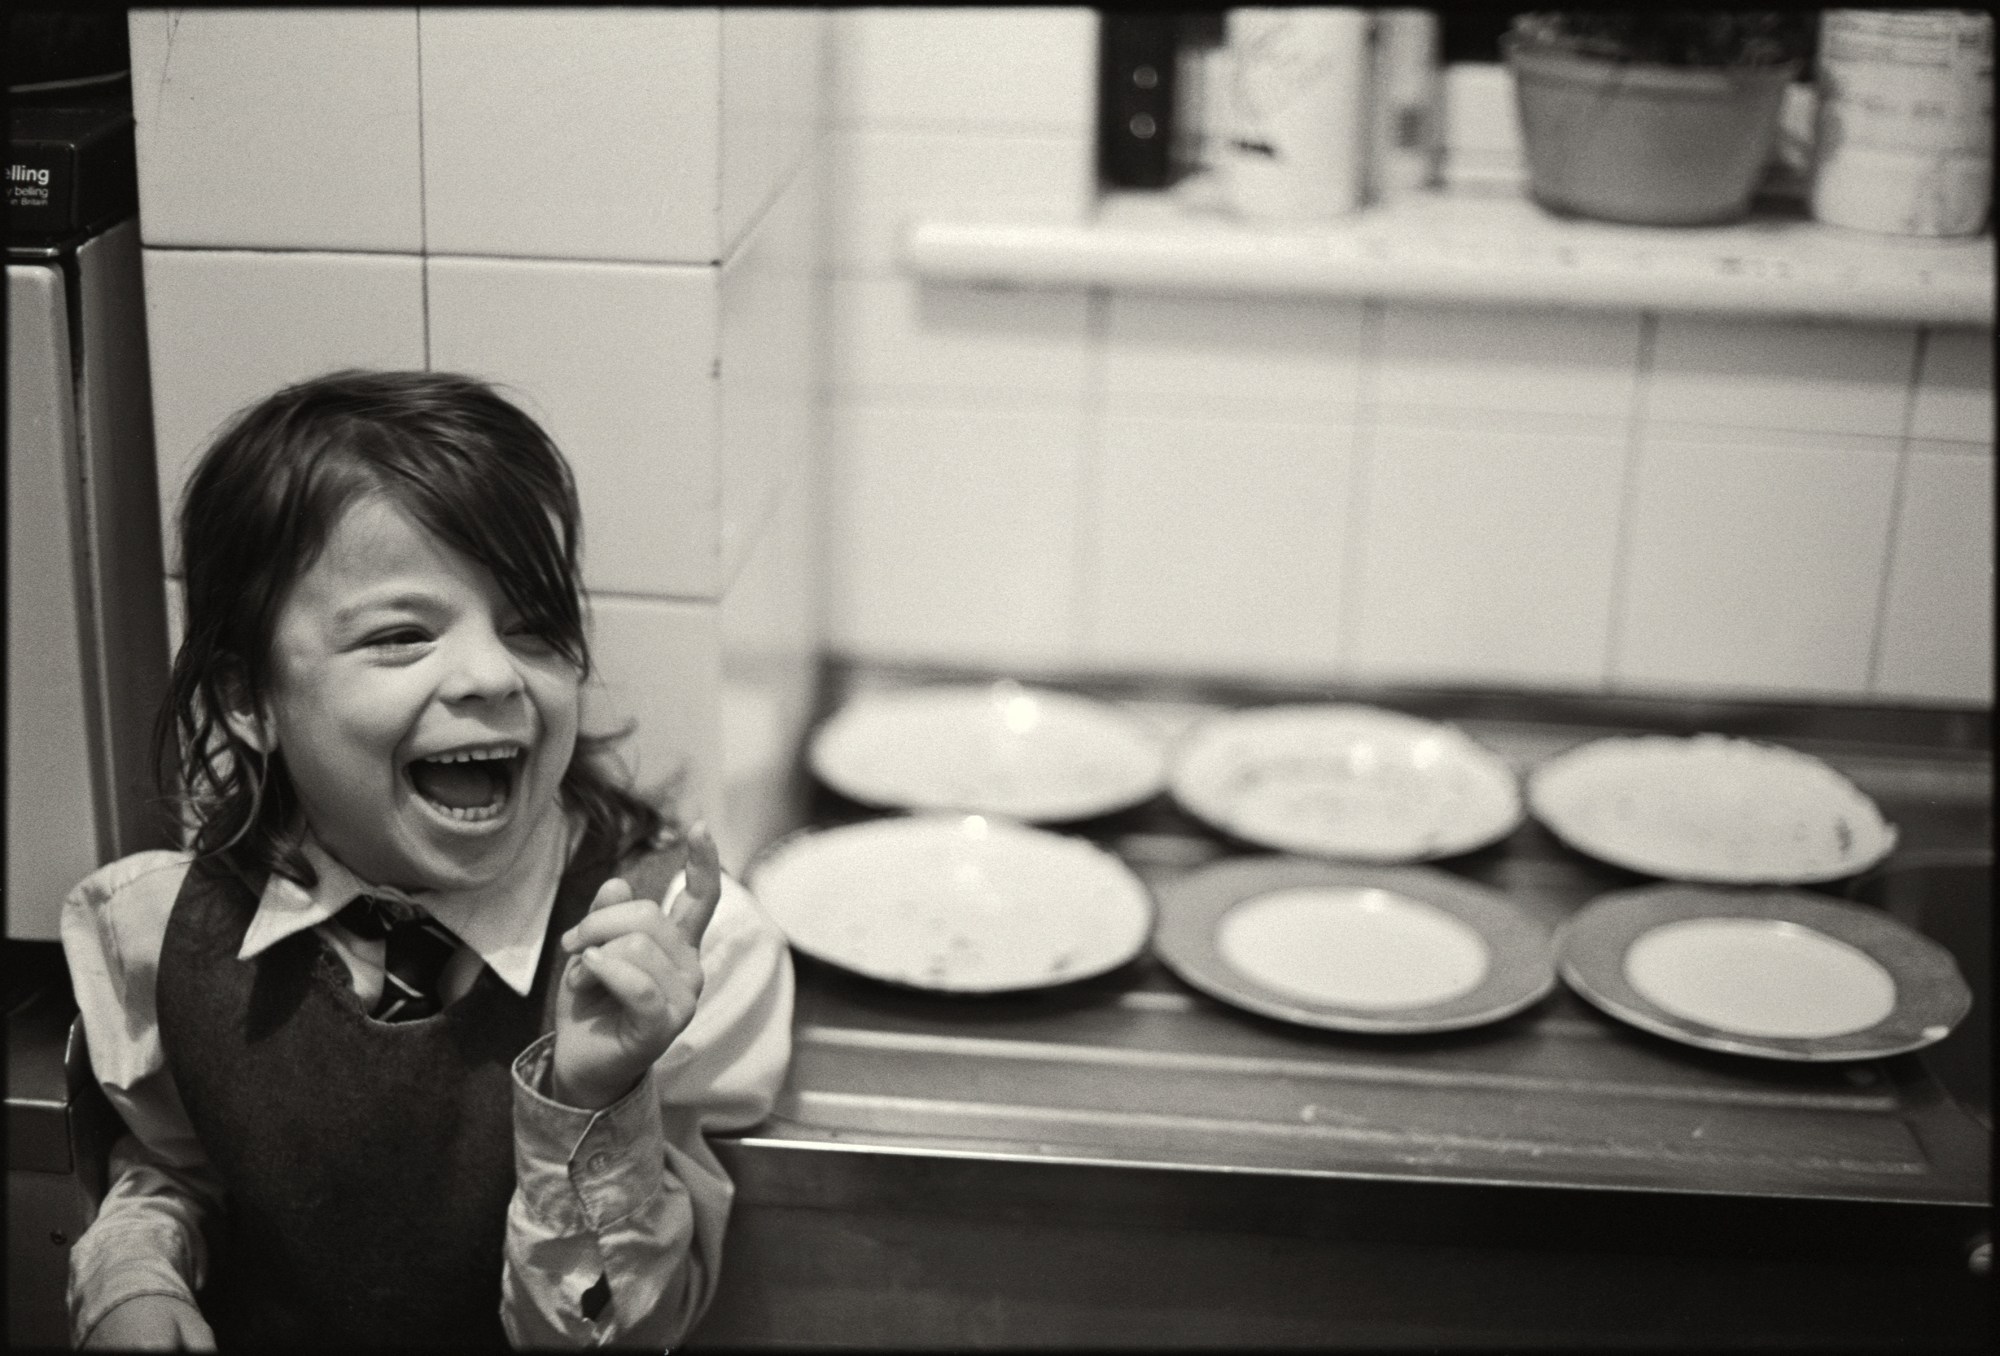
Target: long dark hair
pixel 462 461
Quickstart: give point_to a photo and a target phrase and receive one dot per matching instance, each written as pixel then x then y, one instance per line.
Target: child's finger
pixel 628 983
pixel 592 927
pixel 703 889
pixel 615 920
pixel 613 891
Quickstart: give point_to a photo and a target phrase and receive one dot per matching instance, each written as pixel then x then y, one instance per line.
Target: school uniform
pixel 322 1178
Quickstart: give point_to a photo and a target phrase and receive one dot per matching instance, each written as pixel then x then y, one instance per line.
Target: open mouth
pixel 469 785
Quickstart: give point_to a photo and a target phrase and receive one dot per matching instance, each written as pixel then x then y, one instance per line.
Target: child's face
pixel 395 650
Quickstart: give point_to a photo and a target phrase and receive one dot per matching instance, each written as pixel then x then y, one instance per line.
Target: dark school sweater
pixel 368 1165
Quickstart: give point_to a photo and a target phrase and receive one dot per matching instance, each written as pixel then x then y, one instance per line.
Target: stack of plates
pixel 1350 782
pixel 998 749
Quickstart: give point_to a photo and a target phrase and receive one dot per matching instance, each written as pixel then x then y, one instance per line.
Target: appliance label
pixel 37 185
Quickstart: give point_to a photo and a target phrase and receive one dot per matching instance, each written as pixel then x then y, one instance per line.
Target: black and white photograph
pixel 1016 677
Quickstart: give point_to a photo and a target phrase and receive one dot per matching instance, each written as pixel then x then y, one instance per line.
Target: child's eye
pixel 534 642
pixel 396 637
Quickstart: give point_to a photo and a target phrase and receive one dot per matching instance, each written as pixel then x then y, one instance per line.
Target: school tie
pixel 415 948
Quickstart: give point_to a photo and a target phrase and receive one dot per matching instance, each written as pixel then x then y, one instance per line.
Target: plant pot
pixel 1652 145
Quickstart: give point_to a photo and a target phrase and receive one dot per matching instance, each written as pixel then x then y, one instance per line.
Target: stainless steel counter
pixel 1126 1161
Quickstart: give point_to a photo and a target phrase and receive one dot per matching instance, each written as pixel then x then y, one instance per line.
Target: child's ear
pixel 252 729
pixel 243 717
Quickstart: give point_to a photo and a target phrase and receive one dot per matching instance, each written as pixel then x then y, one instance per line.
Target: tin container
pixel 1904 137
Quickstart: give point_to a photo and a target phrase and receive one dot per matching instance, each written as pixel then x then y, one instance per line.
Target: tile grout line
pixel 1628 495
pixel 423 197
pixel 558 260
pixel 561 261
pixel 1897 491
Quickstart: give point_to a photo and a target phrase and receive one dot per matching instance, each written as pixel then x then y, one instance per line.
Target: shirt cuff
pixel 152 1262
pixel 582 1169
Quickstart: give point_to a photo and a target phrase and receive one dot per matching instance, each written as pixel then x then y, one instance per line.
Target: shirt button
pixel 599 1162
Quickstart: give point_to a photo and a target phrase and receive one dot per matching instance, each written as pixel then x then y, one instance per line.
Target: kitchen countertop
pixel 1133 1102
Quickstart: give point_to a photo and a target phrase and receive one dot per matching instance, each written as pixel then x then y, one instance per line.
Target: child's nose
pixel 483 667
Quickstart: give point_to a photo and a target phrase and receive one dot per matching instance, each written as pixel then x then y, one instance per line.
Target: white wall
pixel 1097 480
pixel 612 213
pixel 1049 480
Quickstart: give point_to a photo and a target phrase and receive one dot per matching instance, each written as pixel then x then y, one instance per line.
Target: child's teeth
pixel 469 814
pixel 473 755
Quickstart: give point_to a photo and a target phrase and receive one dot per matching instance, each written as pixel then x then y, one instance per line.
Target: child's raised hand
pixel 631 981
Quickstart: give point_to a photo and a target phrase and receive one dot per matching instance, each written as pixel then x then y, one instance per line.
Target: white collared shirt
pixel 631 1193
pixel 500 925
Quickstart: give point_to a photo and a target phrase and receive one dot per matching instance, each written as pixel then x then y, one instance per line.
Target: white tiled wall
pixel 616 361
pixel 954 531
pixel 1788 376
pixel 1508 362
pixel 771 337
pixel 1486 547
pixel 225 327
pixel 896 338
pixel 888 175
pixel 773 85
pixel 659 667
pixel 770 657
pixel 972 69
pixel 955 491
pixel 614 213
pixel 1257 358
pixel 284 129
pixel 1955 388
pixel 1111 480
pixel 611 213
pixel 558 135
pixel 1755 563
pixel 1937 637
pixel 1168 552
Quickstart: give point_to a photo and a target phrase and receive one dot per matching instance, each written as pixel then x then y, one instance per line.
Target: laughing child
pixel 418 1042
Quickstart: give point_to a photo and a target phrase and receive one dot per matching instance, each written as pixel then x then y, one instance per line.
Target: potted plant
pixel 1664 117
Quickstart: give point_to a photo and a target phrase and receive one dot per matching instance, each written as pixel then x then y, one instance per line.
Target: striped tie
pixel 415 948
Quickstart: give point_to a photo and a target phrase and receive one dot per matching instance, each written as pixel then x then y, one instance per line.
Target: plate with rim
pixel 1710 809
pixel 1351 782
pixel 1371 949
pixel 1002 748
pixel 954 903
pixel 1774 973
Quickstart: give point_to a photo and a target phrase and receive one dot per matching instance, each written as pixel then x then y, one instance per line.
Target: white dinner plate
pixel 1384 950
pixel 1780 974
pixel 1351 782
pixel 993 748
pixel 958 903
pixel 1710 809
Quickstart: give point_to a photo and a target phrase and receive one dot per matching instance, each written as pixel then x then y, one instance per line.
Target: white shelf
pixel 1496 250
